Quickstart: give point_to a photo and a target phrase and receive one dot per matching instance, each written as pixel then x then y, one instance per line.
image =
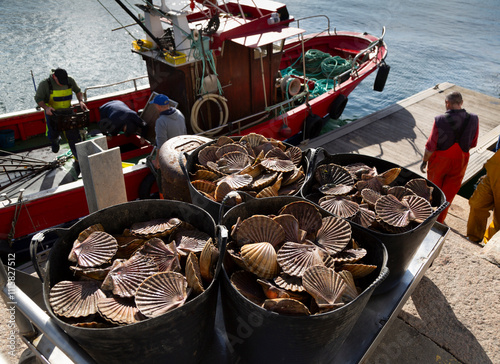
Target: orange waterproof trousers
pixel 486 197
pixel 446 170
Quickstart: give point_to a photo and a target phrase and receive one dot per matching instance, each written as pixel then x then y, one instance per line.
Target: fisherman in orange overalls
pixel 447 149
pixel 486 197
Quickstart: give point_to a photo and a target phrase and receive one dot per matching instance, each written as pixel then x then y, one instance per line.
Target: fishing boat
pixel 232 68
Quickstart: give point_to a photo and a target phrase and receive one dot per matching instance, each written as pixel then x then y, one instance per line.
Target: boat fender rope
pixel 223 112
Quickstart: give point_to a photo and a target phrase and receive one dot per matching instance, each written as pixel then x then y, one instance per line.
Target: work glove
pixel 423 166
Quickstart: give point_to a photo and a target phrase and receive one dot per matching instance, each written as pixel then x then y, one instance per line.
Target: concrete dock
pixel 452 316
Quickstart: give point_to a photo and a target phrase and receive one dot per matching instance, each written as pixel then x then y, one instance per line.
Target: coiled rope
pixel 321 68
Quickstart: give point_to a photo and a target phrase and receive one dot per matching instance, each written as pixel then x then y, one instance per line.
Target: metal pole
pixel 32 313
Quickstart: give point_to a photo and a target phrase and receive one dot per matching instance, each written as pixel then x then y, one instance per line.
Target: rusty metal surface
pixel 174 184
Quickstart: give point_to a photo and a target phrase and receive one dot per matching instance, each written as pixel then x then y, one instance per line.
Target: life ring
pixel 382 74
pixel 313 126
pixel 146 186
pixel 337 107
pixel 223 112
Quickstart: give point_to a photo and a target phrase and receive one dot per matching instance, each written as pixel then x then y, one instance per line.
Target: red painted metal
pixel 63 204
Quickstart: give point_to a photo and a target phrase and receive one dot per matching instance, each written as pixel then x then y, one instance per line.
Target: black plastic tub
pixel 213 207
pixel 182 335
pixel 400 247
pixel 256 335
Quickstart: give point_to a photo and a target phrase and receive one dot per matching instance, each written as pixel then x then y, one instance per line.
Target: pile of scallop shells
pixel 149 269
pixel 297 262
pixel 259 166
pixel 359 193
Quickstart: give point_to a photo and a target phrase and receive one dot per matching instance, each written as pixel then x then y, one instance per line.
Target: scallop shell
pixel 359 270
pixel 263 148
pixel 271 191
pixel 208 260
pixel 357 170
pixel 221 191
pixel 237 181
pixel 350 292
pixel 155 228
pixel 253 139
pixel 161 293
pixel 207 154
pixel 339 206
pixel 260 259
pixel 334 189
pixel 392 211
pixel 227 148
pixel 294 258
pixel 223 140
pixel 245 282
pixel 98 273
pixel 286 306
pixel 381 225
pixel 258 229
pixel 290 283
pixel 399 191
pixel 420 188
pixel 420 208
pixel 294 154
pixel 202 174
pixel 125 276
pixel 128 245
pixel 370 196
pixel 233 162
pixel 278 165
pixel 235 256
pixel 306 213
pixel 204 186
pixel 276 152
pixel 364 217
pixel 119 311
pixel 325 285
pixel 293 176
pixel 193 274
pixel 253 170
pixel 75 299
pixel 290 226
pixel 85 233
pixel 271 291
pixel 98 248
pixel 333 173
pixel 334 234
pixel 264 180
pixel 389 176
pixel 164 256
pixel 187 240
pixel 349 255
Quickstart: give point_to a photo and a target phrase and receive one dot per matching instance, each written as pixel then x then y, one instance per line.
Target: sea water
pixel 429 42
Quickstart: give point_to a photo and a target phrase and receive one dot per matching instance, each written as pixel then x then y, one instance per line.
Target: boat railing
pixel 371 47
pixel 133 80
pixel 237 123
pixel 315 16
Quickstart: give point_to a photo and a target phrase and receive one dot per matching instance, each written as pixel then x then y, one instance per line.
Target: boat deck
pixel 399 132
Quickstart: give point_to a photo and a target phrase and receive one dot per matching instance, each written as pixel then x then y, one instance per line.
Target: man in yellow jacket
pixel 486 197
pixel 56 93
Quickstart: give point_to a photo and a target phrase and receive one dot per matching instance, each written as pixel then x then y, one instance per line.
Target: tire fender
pixel 337 107
pixel 313 126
